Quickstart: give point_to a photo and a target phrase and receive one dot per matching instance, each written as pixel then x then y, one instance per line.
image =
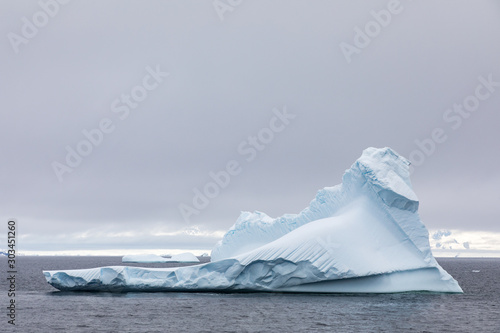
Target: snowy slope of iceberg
pixel 364 235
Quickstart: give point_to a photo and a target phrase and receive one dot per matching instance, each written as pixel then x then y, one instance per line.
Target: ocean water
pixel 41 308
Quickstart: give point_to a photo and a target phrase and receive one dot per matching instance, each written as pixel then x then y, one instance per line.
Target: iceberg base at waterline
pixel 362 236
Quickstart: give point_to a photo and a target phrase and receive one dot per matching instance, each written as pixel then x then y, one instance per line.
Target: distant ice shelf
pixel 186 257
pixel 362 236
pixel 143 258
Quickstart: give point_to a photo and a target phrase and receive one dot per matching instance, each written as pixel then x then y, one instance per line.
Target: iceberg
pixel 362 236
pixel 143 258
pixel 186 257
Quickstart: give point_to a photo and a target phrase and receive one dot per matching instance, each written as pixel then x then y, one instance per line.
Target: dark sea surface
pixel 41 308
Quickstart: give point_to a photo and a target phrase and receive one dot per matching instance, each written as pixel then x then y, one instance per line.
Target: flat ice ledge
pixel 120 279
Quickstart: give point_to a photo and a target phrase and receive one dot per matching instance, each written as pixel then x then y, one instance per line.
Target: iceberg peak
pixel 379 173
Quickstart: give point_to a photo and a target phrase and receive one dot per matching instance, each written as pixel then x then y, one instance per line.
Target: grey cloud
pixel 225 79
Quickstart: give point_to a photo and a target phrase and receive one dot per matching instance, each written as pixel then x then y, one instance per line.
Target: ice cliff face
pixel 364 235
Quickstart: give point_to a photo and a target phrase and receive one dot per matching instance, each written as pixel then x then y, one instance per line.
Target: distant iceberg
pixel 186 257
pixel 143 258
pixel 363 236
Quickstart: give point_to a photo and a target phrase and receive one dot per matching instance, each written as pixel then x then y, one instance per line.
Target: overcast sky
pixel 177 88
